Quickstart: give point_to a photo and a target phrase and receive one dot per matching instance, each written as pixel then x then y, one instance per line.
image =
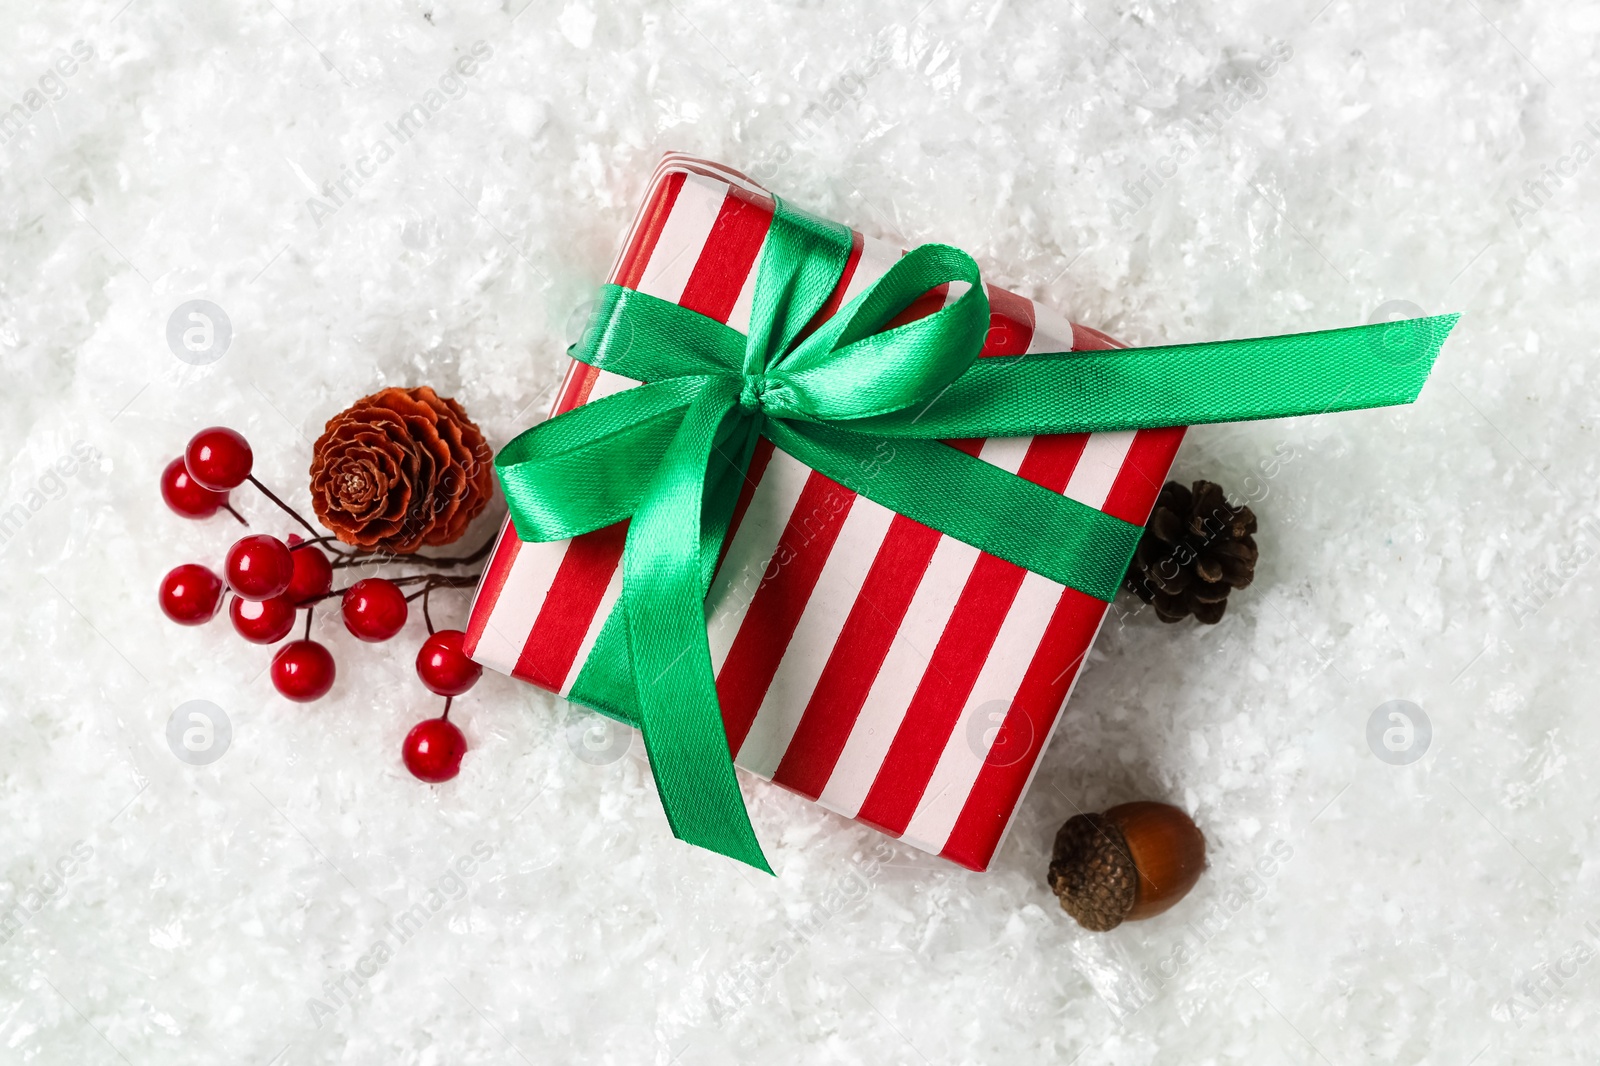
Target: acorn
pixel 1132 862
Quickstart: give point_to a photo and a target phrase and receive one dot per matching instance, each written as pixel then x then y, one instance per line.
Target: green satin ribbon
pixel 868 407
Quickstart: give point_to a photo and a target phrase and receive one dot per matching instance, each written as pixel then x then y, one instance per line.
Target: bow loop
pixel 853 367
pixel 800 265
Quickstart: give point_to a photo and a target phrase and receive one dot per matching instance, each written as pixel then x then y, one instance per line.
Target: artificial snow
pixel 393 193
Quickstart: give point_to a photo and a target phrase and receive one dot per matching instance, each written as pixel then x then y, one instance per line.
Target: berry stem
pixel 437 581
pixel 466 560
pixel 447 701
pixel 229 508
pixel 426 617
pixel 269 494
pixel 430 581
pixel 442 562
pixel 326 538
pixel 309 611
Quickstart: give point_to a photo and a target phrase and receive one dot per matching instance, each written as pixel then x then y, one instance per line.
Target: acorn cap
pixel 1132 862
pixel 1093 873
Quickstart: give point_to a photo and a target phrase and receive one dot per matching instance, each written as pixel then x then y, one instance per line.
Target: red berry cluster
pixel 272 580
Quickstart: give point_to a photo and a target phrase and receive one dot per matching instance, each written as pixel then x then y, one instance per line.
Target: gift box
pixel 891 673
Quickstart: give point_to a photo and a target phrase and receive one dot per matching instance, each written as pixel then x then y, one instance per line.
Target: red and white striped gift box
pixel 892 674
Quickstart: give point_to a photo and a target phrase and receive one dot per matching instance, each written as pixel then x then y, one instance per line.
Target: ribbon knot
pixel 751 392
pixel 669 456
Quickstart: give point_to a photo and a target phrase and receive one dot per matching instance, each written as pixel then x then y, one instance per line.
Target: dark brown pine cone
pixel 1195 548
pixel 399 469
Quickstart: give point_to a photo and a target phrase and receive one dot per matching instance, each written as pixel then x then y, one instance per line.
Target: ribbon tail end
pixel 1432 332
pixel 745 848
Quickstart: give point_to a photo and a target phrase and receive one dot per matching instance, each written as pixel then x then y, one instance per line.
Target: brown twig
pixel 439 581
pixel 346 557
pixel 290 511
pixel 441 562
pixel 326 538
pixel 430 581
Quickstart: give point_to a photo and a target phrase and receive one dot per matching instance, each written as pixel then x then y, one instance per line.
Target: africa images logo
pixel 34 898
pixel 1540 189
pixel 15 120
pixel 340 990
pixel 451 86
pixel 1224 102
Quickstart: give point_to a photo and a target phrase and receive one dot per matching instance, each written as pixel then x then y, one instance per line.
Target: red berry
pixel 262 621
pixel 259 567
pixel 433 750
pixel 313 574
pixel 374 609
pixel 218 458
pixel 190 594
pixel 185 495
pixel 303 671
pixel 444 667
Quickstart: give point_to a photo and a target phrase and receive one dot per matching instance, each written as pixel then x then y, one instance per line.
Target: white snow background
pixel 1442 911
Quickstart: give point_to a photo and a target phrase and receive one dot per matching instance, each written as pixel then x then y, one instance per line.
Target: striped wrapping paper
pixel 888 672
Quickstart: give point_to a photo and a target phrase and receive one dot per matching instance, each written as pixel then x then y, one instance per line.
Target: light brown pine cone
pixel 400 469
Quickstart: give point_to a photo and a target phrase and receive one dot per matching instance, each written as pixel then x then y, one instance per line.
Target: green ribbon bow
pixel 670 455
